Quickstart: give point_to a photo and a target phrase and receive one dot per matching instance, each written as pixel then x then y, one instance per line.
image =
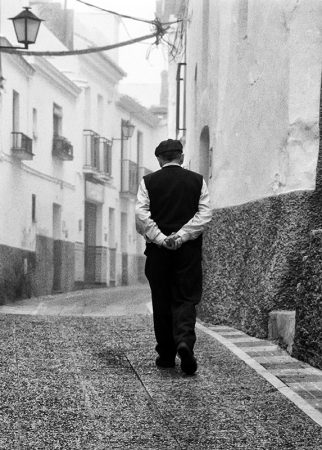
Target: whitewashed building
pixel 68 177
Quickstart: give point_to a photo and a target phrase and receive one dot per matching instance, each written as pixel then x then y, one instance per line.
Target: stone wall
pixel 308 325
pixel 254 262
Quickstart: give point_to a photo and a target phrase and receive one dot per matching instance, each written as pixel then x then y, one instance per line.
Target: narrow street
pixel 78 372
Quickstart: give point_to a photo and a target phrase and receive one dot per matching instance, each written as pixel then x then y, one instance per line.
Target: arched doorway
pixel 204 153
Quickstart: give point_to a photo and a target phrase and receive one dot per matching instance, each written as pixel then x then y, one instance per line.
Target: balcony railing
pixel 21 145
pixel 62 148
pixel 98 156
pixel 106 155
pixel 92 143
pixel 129 178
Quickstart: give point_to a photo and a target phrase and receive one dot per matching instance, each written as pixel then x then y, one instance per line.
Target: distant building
pixel 68 176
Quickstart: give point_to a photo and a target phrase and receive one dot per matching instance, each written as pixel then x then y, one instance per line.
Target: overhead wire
pixel 159 33
pixel 125 16
pixel 83 51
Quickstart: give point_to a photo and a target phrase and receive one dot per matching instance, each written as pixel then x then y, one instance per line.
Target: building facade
pixel 252 83
pixel 68 174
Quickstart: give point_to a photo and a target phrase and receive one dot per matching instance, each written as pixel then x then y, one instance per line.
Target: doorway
pixel 57 248
pixel 124 249
pixel 90 242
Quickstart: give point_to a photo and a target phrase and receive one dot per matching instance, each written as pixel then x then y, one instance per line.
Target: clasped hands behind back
pixel 172 242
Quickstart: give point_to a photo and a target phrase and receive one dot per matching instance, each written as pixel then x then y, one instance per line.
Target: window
pixel 57 120
pixel 15 110
pixel 34 123
pixel 33 208
pixel 107 156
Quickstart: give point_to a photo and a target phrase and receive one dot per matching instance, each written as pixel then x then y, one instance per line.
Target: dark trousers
pixel 175 279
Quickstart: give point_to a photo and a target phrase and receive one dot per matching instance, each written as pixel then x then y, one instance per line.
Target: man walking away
pixel 172 211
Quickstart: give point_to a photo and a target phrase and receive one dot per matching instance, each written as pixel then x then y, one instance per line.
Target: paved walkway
pixel 69 381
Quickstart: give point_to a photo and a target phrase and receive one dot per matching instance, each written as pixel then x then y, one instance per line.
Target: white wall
pixel 260 99
pixel 51 180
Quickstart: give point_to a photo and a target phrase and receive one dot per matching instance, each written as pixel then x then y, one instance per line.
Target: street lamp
pixel 127 129
pixel 26 26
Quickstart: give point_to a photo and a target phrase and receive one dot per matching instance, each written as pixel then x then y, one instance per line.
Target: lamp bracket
pixel 14 47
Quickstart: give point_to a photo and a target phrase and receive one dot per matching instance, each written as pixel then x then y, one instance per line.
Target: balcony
pixel 21 146
pixel 129 177
pixel 98 157
pixel 62 148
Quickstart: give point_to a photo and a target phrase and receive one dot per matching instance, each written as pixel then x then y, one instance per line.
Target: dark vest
pixel 174 195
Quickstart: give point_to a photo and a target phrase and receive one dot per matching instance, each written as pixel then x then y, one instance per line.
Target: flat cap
pixel 168 145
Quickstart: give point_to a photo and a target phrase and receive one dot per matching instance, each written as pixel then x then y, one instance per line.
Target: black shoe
pixel 188 361
pixel 164 363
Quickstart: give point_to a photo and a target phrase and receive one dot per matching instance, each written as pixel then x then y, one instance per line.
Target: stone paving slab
pixel 261 349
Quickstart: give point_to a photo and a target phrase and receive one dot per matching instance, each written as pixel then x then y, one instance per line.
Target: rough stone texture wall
pixel 308 325
pixel 261 256
pixel 251 261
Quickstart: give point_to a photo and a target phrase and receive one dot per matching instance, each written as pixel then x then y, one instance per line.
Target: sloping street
pixel 78 372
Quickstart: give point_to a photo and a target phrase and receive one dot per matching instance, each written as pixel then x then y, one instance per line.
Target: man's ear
pixel 160 161
pixel 181 158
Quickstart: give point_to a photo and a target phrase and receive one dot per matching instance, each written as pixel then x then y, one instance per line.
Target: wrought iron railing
pixel 62 148
pixel 129 178
pixel 92 149
pixel 98 155
pixel 106 155
pixel 21 143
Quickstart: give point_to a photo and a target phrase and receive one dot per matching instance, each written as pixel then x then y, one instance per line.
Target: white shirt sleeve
pixel 192 229
pixel 144 224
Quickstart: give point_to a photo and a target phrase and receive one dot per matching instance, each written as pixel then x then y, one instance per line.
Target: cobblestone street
pixel 78 372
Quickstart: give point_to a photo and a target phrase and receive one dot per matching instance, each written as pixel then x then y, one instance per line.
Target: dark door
pixel 57 249
pixel 90 242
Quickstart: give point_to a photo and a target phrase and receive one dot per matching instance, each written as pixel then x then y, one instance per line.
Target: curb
pixel 287 391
